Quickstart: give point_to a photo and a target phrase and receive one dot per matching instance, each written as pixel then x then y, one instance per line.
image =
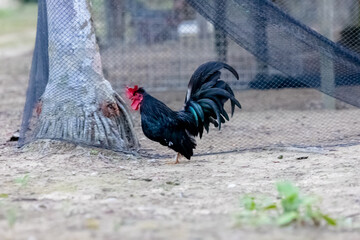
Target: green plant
pixel 9 211
pixel 290 207
pixel 22 181
pixel 11 216
pixel 4 195
pixel 256 211
pixel 94 152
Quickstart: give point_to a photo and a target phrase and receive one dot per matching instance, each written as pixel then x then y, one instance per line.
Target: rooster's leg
pixel 177 158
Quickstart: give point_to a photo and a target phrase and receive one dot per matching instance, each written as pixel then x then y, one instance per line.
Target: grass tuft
pixel 290 207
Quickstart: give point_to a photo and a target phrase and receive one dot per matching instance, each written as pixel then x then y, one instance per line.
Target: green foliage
pixel 11 216
pixel 22 181
pixel 4 195
pixel 290 199
pixel 290 208
pixel 94 152
pixel 9 212
pixel 256 211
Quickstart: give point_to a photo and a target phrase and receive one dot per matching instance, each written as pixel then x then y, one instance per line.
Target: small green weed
pixel 4 195
pixel 22 181
pixel 11 216
pixel 290 208
pixel 94 152
pixel 9 211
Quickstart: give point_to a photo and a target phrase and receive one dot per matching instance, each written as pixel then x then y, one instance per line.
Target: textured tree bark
pixel 78 104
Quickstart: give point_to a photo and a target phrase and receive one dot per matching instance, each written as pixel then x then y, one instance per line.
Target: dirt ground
pixel 61 191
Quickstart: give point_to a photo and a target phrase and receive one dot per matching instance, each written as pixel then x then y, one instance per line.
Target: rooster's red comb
pixel 130 91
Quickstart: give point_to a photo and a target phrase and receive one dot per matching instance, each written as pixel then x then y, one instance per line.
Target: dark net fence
pixel 298 64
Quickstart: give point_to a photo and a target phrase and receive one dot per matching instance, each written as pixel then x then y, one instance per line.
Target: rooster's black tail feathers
pixel 207 94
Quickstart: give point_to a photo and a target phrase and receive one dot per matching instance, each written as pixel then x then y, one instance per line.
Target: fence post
pixel 261 41
pixel 327 64
pixel 221 42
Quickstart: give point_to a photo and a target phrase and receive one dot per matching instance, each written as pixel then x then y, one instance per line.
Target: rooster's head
pixel 135 94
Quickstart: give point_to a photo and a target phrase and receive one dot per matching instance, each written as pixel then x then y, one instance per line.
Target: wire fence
pixel 288 54
pixel 162 42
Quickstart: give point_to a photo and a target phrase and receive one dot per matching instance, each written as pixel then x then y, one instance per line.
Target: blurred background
pixel 157 44
pixel 17 26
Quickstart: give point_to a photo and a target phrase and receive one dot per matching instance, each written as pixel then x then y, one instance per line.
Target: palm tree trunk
pixel 78 104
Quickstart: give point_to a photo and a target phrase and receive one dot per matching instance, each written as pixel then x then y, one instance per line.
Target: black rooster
pixel 204 104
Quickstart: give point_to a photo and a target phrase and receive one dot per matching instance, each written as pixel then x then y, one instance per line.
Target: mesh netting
pixel 39 74
pixel 298 64
pixel 306 57
pixel 78 104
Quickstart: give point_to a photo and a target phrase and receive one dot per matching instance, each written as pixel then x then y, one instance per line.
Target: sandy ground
pixel 56 191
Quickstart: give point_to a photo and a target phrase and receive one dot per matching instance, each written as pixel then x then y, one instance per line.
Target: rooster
pixel 204 105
